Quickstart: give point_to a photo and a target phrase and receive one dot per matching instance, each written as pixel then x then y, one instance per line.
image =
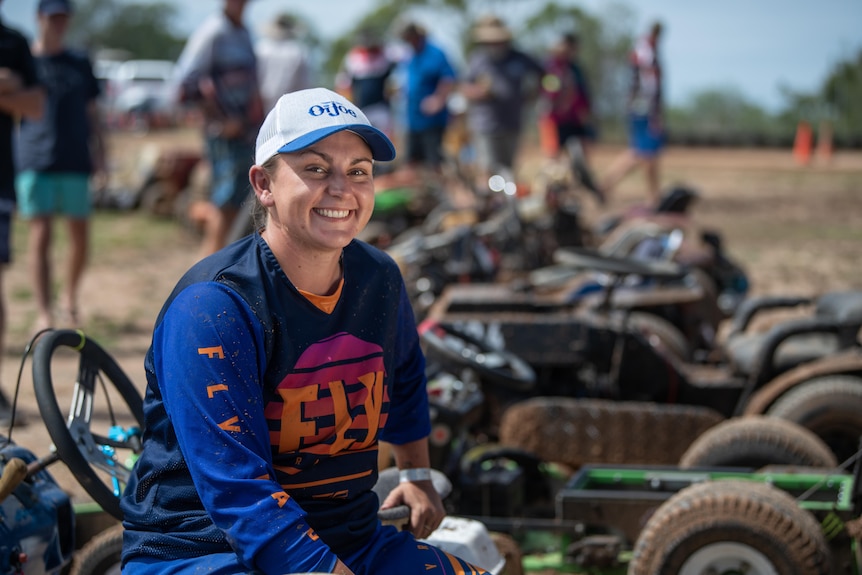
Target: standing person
pixel 429 79
pixel 645 117
pixel 282 60
pixel 275 367
pixel 499 83
pixel 567 105
pixel 217 71
pixel 364 78
pixel 21 95
pixel 56 158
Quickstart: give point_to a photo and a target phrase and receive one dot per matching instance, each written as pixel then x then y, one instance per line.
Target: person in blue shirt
pixel 429 80
pixel 276 366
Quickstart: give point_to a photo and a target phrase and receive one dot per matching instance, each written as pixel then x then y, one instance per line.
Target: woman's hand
pixel 426 507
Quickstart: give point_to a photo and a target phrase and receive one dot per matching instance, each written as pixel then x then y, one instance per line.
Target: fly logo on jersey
pixel 333 400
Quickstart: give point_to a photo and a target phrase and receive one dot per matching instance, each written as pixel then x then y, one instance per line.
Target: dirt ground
pixel 795 229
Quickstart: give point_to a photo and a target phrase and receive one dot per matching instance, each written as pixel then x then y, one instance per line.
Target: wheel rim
pixel 728 558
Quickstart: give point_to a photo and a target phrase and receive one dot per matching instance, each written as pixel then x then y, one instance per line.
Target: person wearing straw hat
pixel 276 365
pixel 500 81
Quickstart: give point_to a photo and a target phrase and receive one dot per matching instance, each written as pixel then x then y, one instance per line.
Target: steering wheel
pixel 587 259
pixel 91 440
pixel 497 366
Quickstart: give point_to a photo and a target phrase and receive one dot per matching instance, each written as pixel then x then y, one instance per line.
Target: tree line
pixel 714 116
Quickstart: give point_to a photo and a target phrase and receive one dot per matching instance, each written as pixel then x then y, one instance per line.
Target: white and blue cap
pixel 302 118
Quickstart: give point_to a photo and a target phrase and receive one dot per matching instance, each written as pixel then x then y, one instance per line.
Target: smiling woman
pixel 277 364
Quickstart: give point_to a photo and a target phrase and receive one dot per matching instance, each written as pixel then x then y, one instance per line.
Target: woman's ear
pixel 261 181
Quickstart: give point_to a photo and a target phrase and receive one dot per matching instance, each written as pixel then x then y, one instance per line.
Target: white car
pixel 138 90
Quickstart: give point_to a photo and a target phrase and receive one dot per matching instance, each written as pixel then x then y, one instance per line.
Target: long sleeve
pixel 209 365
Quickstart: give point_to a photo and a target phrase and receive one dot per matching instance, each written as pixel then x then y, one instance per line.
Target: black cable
pixel 13 408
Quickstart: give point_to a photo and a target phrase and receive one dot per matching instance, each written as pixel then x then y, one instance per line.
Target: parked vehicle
pixel 139 94
pixel 601 353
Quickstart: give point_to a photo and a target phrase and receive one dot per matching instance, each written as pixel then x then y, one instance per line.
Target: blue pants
pixel 389 551
pixel 394 551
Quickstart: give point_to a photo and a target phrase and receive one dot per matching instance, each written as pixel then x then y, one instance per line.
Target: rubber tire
pixel 93 359
pixel 830 406
pixel 756 516
pixel 756 441
pixel 516 374
pixel 101 555
pixel 669 336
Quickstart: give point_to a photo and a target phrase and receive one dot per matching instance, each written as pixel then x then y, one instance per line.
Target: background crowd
pixel 439 113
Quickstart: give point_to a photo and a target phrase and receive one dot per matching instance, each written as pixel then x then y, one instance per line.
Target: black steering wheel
pixel 91 440
pixel 587 259
pixel 496 366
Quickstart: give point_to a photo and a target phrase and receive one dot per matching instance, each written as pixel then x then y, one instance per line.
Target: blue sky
pixel 755 46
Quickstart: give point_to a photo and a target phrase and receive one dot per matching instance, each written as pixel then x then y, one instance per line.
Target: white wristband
pixel 416 474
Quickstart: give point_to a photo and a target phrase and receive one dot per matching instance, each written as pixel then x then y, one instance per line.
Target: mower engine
pixel 37 522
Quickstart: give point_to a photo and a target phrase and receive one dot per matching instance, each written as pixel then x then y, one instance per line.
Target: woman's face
pixel 320 198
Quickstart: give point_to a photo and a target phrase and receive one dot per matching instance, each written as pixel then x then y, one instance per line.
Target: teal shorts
pixel 47 193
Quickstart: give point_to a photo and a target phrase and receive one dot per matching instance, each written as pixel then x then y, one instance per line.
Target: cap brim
pixel 381 146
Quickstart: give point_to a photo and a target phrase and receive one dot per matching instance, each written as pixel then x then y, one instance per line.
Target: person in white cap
pixel 276 365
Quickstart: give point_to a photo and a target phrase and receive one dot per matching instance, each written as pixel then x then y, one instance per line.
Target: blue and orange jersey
pixel 263 412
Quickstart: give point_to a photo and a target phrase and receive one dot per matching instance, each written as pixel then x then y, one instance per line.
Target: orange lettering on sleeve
pixel 229 424
pixel 312 535
pixel 281 498
pixel 212 389
pixel 212 352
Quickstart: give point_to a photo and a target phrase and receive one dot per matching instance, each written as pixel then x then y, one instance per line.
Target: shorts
pixel 48 193
pixel 426 146
pixel 578 131
pixel 642 138
pixel 496 151
pixel 389 551
pixel 5 237
pixel 230 161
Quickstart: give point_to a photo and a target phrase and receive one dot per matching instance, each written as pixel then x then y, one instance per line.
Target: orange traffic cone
pixel 802 143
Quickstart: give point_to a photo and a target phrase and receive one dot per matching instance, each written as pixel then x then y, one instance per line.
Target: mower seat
pixel 833 326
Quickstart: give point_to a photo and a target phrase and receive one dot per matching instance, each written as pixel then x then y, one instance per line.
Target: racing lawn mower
pixel 624 374
pixel 41 531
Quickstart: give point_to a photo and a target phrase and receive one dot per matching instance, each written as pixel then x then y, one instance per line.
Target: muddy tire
pixel 101 555
pixel 830 406
pixel 757 441
pixel 661 333
pixel 578 431
pixel 731 527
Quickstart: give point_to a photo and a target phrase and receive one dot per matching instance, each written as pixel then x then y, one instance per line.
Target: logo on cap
pixel 332 109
